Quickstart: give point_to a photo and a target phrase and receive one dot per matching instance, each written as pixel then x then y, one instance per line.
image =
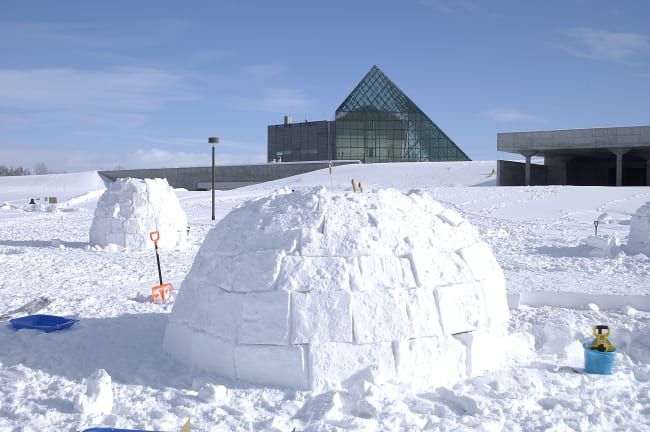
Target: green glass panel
pixel 377 122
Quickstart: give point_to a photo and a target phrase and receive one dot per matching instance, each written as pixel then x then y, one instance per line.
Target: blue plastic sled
pixel 46 323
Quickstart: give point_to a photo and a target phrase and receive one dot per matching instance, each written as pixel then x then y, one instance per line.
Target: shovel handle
pixel 154 236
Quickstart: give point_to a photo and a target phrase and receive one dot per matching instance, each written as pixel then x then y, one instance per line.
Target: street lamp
pixel 213 141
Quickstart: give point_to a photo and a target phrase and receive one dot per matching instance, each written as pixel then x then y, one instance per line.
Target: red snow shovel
pixel 159 292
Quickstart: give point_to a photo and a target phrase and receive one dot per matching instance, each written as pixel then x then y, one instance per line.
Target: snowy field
pixel 559 286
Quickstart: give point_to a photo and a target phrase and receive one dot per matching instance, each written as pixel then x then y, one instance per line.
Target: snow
pixel 357 261
pixel 129 212
pixel 540 237
pixel 639 239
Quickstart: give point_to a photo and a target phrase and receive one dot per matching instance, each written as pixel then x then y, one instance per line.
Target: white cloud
pixel 160 158
pixel 506 115
pixel 452 7
pixel 278 100
pixel 605 45
pixel 130 89
pixel 60 159
pixel 57 159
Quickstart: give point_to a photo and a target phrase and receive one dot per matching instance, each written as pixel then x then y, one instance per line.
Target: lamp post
pixel 213 141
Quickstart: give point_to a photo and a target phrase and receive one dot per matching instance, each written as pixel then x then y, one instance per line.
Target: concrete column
pixel 528 155
pixel 619 152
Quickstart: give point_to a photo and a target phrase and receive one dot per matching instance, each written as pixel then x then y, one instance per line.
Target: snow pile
pixel 98 395
pixel 639 238
pixel 601 246
pixel 131 208
pixel 305 289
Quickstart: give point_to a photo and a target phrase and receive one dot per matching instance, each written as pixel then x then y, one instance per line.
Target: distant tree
pixel 20 171
pixel 40 169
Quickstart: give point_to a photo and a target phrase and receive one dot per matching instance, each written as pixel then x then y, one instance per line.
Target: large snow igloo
pixel 304 289
pixel 131 208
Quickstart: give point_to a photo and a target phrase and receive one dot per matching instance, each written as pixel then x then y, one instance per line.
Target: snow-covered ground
pixel 110 369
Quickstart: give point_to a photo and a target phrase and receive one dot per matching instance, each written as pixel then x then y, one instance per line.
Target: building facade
pixel 376 123
pixel 614 156
pixel 297 142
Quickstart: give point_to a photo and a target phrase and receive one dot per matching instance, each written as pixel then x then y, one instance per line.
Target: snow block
pixel 423 200
pixel 423 313
pixel 194 348
pixel 272 365
pixel 601 246
pixel 439 267
pixel 461 307
pixel 452 217
pixel 446 236
pixel 260 267
pixel 496 303
pixel 379 316
pixel 380 272
pixel 321 316
pixel 430 362
pixel 298 273
pixel 213 354
pixel 481 261
pixel 178 342
pixel 265 319
pixel 248 240
pixel 485 350
pixel 332 362
pixel 313 243
pixel 345 243
pixel 219 314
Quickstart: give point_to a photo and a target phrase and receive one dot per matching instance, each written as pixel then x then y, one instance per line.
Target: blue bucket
pixel 597 362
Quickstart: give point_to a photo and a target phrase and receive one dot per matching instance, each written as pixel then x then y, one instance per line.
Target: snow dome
pixel 304 289
pixel 131 208
pixel 639 239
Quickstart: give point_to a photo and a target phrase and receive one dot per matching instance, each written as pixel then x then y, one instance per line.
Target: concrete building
pixel 375 123
pixel 226 176
pixel 303 141
pixel 616 156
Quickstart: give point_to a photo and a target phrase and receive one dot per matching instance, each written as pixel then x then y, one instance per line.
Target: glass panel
pixel 377 122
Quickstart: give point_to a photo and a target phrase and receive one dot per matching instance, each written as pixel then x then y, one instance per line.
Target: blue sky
pixel 90 85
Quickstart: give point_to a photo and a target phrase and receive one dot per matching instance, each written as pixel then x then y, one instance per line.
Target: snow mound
pixel 305 289
pixel 98 396
pixel 601 246
pixel 131 208
pixel 639 239
pixel 88 196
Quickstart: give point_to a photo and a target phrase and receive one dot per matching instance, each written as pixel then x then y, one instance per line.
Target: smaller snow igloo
pixel 131 208
pixel 304 289
pixel 638 240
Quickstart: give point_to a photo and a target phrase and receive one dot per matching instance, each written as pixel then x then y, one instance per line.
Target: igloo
pixel 305 289
pixel 130 209
pixel 638 240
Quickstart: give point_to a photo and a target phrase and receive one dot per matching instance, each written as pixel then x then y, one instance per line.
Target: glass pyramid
pixel 377 122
